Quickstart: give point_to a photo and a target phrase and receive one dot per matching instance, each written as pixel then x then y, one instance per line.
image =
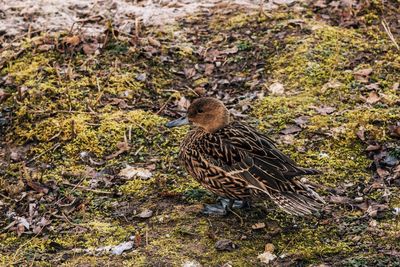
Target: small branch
pixel 389 33
pixel 44 152
pixel 88 189
pixel 165 104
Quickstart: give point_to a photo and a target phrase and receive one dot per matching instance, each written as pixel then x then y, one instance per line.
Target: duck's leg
pixel 223 206
pixel 220 208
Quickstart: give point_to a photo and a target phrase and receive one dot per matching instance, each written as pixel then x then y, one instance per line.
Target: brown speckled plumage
pixel 235 161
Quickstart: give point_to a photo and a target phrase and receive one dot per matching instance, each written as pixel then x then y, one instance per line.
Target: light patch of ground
pixel 90 16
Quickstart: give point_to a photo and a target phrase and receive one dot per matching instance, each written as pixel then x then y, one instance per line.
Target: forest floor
pixel 89 174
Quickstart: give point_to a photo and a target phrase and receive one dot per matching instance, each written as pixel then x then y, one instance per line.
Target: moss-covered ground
pixel 72 119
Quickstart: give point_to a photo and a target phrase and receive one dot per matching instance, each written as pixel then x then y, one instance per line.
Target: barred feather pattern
pixel 237 162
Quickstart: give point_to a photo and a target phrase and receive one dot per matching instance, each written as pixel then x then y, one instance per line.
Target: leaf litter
pixel 215 74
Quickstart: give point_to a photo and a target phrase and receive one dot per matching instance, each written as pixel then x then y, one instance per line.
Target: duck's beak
pixel 178 122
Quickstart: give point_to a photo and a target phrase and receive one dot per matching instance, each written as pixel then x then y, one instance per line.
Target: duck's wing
pixel 242 152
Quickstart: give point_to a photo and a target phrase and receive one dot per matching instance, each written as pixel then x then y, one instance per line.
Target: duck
pixel 238 163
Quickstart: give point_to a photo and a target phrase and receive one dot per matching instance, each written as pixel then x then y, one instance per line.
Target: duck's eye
pixel 200 110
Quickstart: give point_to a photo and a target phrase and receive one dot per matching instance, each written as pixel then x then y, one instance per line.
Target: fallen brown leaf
pixel 37 187
pixel 373 147
pixel 325 110
pixel 372 98
pixel 257 226
pixel 276 89
pixel 394 130
pixel 232 50
pixel 3 95
pixel 183 103
pixel 339 200
pixel 200 91
pixel 290 129
pixel 153 41
pixel 72 40
pixel 189 72
pixel 145 214
pixel 362 75
pixel 302 120
pixel 269 248
pixel 361 134
pixel 382 173
pixel 122 147
pixel 208 69
pixel 90 49
pixel 225 245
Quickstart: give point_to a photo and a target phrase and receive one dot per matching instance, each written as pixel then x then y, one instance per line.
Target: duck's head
pixel 208 113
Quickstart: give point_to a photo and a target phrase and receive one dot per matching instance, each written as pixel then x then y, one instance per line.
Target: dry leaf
pixel 118 249
pixel 145 214
pixel 325 110
pixel 200 91
pixel 130 172
pixel 290 129
pixel 72 40
pixel 89 49
pixel 361 134
pixel 189 72
pixel 382 173
pixel 45 47
pixel 37 187
pixel 373 148
pixel 208 69
pixel 183 103
pixel 302 120
pixel 122 147
pixel 153 41
pixel 362 75
pixel 266 257
pixel 225 245
pixel 232 50
pixel 394 130
pixel 276 89
pixel 372 98
pixel 269 248
pixel 257 226
pixel 374 209
pixel 20 229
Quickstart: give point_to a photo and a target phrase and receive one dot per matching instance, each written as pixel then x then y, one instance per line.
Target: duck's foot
pixel 224 206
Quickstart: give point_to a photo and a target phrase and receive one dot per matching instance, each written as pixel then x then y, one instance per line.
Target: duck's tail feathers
pixel 297 204
pixel 302 201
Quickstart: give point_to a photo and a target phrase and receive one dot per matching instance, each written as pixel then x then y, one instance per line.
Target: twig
pixel 100 92
pixel 287 245
pixel 6 197
pixel 237 215
pixel 389 33
pixel 137 151
pixel 54 147
pixel 137 27
pixel 130 133
pixel 261 11
pixel 88 189
pixel 165 104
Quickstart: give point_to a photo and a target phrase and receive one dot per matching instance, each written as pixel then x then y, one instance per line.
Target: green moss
pixel 138 188
pixel 313 243
pixel 93 105
pixel 316 71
